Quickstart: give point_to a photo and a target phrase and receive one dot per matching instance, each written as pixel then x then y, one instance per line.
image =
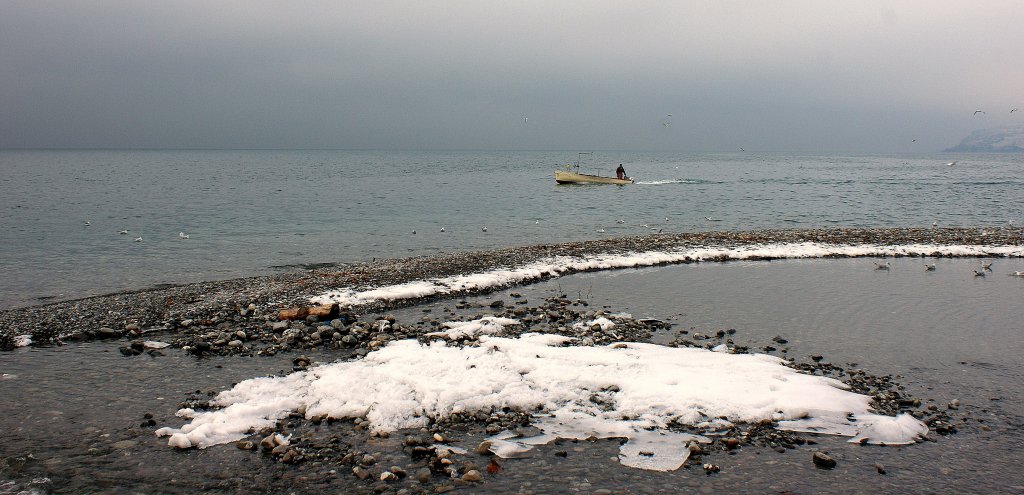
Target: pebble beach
pixel 269 323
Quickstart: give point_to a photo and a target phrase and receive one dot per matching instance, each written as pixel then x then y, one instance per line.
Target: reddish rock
pixel 293 314
pixel 324 312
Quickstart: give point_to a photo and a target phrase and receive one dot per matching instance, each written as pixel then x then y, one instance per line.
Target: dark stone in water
pixel 823 461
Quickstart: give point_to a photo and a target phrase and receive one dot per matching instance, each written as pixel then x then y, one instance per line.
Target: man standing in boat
pixel 620 172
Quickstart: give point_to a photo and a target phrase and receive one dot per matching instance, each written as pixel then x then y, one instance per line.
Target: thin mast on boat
pixel 579 159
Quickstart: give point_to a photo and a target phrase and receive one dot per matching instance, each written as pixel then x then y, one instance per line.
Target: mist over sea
pixel 258 212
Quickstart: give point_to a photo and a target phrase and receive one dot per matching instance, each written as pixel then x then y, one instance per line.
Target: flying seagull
pixel 979 273
pixel 986 266
pixel 976 112
pixel 1014 110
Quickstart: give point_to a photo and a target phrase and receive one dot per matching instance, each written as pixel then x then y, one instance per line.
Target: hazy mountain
pixel 1006 139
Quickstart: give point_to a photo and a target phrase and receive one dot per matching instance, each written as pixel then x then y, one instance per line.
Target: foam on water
pixel 557 266
pixel 644 390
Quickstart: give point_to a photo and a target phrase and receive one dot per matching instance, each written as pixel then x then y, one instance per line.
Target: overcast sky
pixel 779 75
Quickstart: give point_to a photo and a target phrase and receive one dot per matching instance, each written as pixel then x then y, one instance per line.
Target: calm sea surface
pixel 946 334
pixel 255 212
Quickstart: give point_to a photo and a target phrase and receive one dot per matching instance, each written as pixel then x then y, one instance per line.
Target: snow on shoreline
pixel 562 265
pixel 643 389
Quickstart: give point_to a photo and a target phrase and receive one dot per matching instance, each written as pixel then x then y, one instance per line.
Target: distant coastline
pixel 1006 139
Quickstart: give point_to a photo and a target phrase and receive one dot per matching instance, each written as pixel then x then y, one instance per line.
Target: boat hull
pixel 565 177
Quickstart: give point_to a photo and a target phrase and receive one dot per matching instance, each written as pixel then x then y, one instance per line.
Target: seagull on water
pixel 138 239
pixel 182 235
pixel 123 232
pixel 620 221
pixel 935 223
pixel 930 268
pixel 951 163
pixel 483 229
pixel 442 229
pixel 881 266
pixel 414 232
pixel 88 223
pixel 600 231
pixel 1017 274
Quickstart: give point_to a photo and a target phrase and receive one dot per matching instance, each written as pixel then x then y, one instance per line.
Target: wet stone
pixel 823 460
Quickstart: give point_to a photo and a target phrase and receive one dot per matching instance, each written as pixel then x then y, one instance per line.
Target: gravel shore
pixel 256 300
pixel 250 317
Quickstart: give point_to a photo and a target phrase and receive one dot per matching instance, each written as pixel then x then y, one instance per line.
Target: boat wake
pixel 670 181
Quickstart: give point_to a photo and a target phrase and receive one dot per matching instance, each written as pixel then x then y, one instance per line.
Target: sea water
pixel 257 212
pixel 945 334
